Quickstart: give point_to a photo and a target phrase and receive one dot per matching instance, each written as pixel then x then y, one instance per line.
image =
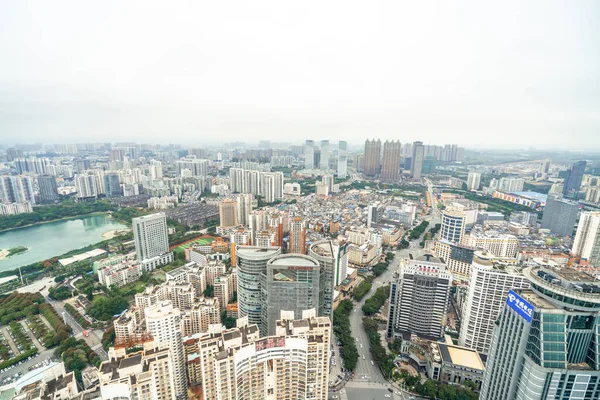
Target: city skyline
pixel 220 73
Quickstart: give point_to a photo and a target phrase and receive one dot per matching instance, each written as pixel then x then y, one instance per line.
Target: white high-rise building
pixel 511 185
pixel 453 224
pixel 418 154
pixel 86 186
pixel 244 208
pixel 473 180
pixel 309 154
pixel 272 184
pixel 587 234
pixel 16 189
pixel 342 169
pixel 324 163
pixel 236 180
pixel 419 298
pixel 155 169
pixel 499 244
pixel 486 296
pixel 151 237
pixel 164 324
pixel 238 364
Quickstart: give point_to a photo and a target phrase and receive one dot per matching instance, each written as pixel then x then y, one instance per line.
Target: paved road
pixel 93 340
pixel 367 374
pixel 62 313
pixel 11 342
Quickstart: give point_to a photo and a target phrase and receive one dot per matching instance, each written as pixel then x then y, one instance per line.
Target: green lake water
pixel 54 238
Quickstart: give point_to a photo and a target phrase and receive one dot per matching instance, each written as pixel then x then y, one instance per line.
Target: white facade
pixel 342 166
pixel 510 185
pixel 453 224
pixel 120 274
pixel 324 162
pixel 473 180
pixel 500 245
pixel 164 324
pixel 151 236
pixel 587 230
pixel 486 296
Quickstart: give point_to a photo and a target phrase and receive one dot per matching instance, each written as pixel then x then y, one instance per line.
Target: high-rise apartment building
pixel 86 186
pixel 324 162
pixel 372 158
pixel 473 180
pixel 486 295
pixel 573 180
pixel 309 154
pixel 545 342
pixel 48 190
pixel 458 258
pixel 498 244
pixel 342 166
pixel 419 298
pixel 145 375
pixel 13 153
pixel 251 263
pixel 16 189
pixel 560 215
pixel 511 185
pixel 237 364
pixel 164 325
pixel 151 237
pixel 390 166
pixel 244 208
pixel 453 224
pixel 228 211
pixel 372 215
pixel 418 154
pixel 272 186
pixel 297 242
pixel 112 186
pixel 292 283
pixel 117 155
pixel 587 233
pixel 269 185
pixel 545 166
pixel 197 167
pixel 35 165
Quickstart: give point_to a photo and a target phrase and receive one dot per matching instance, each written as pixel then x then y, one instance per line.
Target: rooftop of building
pixel 149 217
pixel 535 299
pixel 130 361
pixel 59 383
pixel 292 260
pixel 532 195
pixel 430 258
pixel 460 356
pixel 257 251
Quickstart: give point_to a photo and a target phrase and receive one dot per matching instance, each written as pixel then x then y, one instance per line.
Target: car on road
pixel 387 395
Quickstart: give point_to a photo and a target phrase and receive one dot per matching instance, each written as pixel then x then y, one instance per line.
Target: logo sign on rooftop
pixel 521 306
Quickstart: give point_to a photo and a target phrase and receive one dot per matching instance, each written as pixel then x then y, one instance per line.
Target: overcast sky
pixel 481 73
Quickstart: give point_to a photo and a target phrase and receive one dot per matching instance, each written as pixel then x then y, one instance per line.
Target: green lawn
pixel 200 241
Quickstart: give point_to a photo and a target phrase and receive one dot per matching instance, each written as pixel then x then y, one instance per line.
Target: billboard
pixel 521 306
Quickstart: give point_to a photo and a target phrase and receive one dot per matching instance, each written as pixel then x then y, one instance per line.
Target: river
pixel 54 238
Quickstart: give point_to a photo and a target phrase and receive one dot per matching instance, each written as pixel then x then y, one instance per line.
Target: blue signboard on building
pixel 521 306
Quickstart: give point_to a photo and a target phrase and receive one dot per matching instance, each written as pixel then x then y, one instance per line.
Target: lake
pixel 54 238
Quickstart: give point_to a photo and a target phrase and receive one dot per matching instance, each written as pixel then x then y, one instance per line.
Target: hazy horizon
pixel 504 76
